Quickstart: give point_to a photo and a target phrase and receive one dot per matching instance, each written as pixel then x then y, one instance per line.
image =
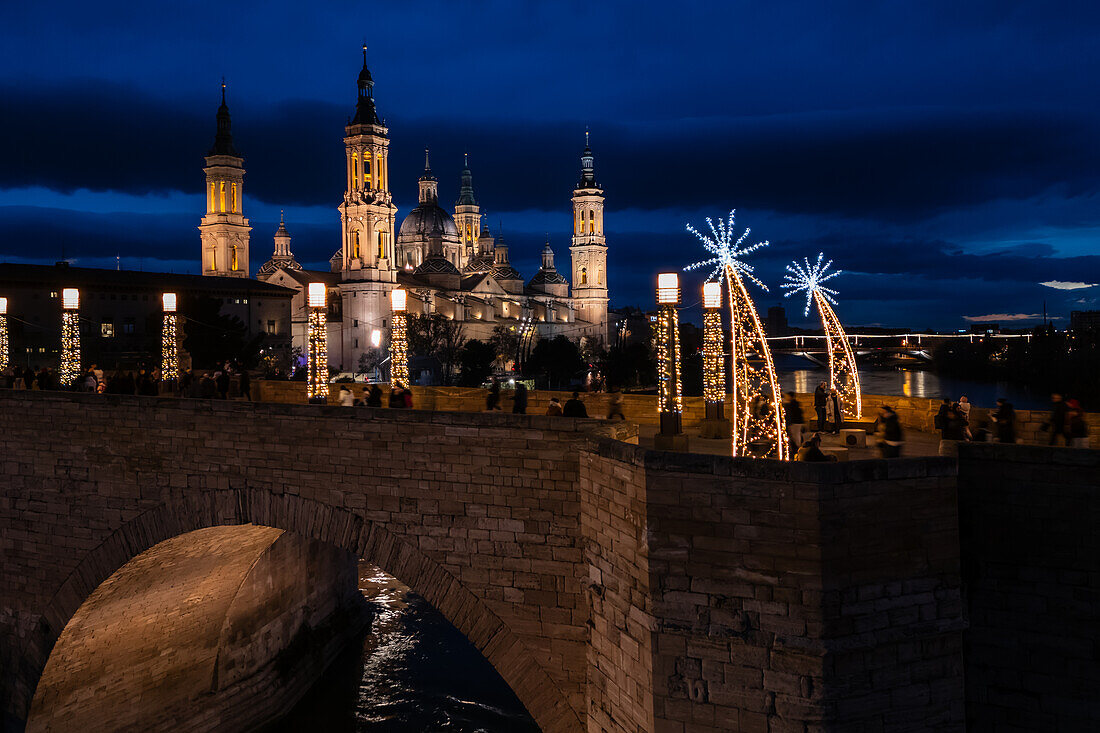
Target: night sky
pixel 945 155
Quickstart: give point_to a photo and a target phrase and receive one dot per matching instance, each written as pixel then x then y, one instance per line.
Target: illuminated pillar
pixel 169 346
pixel 317 358
pixel 399 355
pixel 70 336
pixel 669 396
pixel 714 376
pixel 3 333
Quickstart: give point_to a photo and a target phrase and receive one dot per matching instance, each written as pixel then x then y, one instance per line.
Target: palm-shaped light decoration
pixel 759 426
pixel 803 277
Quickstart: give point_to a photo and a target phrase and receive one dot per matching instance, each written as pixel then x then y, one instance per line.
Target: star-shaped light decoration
pixel 727 252
pixel 804 276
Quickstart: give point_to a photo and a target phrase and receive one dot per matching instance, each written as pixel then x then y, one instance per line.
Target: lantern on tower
pixel 317 357
pixel 169 343
pixel 70 336
pixel 399 356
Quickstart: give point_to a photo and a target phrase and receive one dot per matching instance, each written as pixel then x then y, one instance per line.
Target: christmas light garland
pixel 843 373
pixel 714 373
pixel 169 343
pixel 757 418
pixel 669 392
pixel 317 355
pixel 70 336
pixel 399 354
pixel 3 333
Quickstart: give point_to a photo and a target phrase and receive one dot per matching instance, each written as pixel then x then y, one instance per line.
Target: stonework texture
pixel 613 588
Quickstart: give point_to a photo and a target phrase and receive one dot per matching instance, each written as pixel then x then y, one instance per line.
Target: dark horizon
pixel 944 157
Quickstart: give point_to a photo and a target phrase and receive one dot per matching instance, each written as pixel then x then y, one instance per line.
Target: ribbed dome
pixel 428 220
pixel 506 272
pixel 436 266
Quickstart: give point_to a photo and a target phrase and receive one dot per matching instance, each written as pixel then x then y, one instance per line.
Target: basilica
pixel 449 263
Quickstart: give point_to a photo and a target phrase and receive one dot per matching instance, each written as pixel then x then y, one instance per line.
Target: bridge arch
pixel 181 514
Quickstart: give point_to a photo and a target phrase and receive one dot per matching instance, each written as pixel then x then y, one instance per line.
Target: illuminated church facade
pixel 449 262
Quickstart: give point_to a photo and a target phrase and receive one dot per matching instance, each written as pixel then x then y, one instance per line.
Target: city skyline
pixel 943 159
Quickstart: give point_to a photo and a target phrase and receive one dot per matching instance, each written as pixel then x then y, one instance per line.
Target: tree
pixel 436 336
pixel 370 360
pixel 476 363
pixel 558 359
pixel 505 343
pixel 212 338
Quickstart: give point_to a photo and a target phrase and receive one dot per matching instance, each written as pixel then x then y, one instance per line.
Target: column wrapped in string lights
pixel 714 372
pixel 169 344
pixel 3 333
pixel 70 336
pixel 669 396
pixel 399 340
pixel 317 358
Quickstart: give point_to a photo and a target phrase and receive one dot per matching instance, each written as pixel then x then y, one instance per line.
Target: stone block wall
pixel 1031 569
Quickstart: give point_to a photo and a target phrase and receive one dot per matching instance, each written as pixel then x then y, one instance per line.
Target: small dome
pixel 506 272
pixel 436 266
pixel 428 220
pixel 548 277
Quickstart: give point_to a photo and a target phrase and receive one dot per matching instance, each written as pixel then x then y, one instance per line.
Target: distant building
pixel 776 324
pixel 1084 321
pixel 121 310
pixel 985 328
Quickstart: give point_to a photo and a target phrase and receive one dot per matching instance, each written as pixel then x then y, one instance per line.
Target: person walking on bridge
pixel 795 426
pixel 889 432
pixel 519 399
pixel 1005 417
pixel 1059 411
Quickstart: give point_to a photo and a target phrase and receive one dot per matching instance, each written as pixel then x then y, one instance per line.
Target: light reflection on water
pixel 412 672
pixel 913 383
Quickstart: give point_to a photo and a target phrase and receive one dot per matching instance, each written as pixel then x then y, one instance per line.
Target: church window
pixel 234 257
pixel 591 222
pixel 381 245
pixel 355 171
pixel 233 199
pixel 366 169
pixel 584 276
pixel 210 199
pixel 355 244
pixel 213 261
pixel 222 189
pixel 599 276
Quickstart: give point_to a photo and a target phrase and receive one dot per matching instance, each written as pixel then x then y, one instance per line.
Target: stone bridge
pixel 612 588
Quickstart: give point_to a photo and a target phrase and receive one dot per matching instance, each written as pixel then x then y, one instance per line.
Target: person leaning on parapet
pixel 819 405
pixel 554 408
pixel 1005 417
pixel 810 451
pixel 1059 411
pixel 374 397
pixel 963 407
pixel 615 405
pixel 1078 427
pixel 519 399
pixel 397 397
pixel 574 407
pixel 889 433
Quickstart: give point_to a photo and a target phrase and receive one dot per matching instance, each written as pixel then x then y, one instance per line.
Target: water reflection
pixel 913 383
pixel 412 672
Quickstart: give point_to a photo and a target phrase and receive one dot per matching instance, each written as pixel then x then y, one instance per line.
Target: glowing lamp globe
pixel 668 288
pixel 712 295
pixel 398 299
pixel 70 298
pixel 169 300
pixel 317 294
pixel 376 338
pixel 3 306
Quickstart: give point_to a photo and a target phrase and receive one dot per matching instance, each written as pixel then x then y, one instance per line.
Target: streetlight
pixel 399 351
pixel 169 348
pixel 317 358
pixel 70 336
pixel 3 333
pixel 669 395
pixel 714 376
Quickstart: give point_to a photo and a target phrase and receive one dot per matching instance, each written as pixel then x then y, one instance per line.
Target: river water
pixel 411 672
pixel 793 376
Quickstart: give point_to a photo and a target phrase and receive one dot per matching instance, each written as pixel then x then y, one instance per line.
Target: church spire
pixel 365 111
pixel 588 171
pixel 223 140
pixel 466 190
pixel 429 186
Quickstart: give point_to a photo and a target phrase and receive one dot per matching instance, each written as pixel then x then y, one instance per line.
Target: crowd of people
pixel 142 380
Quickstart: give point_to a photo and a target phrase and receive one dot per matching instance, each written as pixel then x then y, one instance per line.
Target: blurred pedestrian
pixel 1078 428
pixel 519 400
pixel 819 405
pixel 888 430
pixel 574 407
pixel 554 408
pixel 1005 417
pixel 1057 426
pixel 795 421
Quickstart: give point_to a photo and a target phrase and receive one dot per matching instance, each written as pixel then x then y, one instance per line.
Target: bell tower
pixel 467 215
pixel 224 230
pixel 367 212
pixel 589 249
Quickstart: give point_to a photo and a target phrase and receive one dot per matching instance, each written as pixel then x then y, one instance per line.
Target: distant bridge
pixel 900 346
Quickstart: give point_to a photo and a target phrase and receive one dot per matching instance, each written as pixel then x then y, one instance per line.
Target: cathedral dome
pixel 436 266
pixel 427 220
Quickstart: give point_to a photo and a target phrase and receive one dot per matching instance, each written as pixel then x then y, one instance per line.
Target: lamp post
pixel 317 358
pixel 399 341
pixel 70 336
pixel 169 345
pixel 3 333
pixel 669 395
pixel 714 374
